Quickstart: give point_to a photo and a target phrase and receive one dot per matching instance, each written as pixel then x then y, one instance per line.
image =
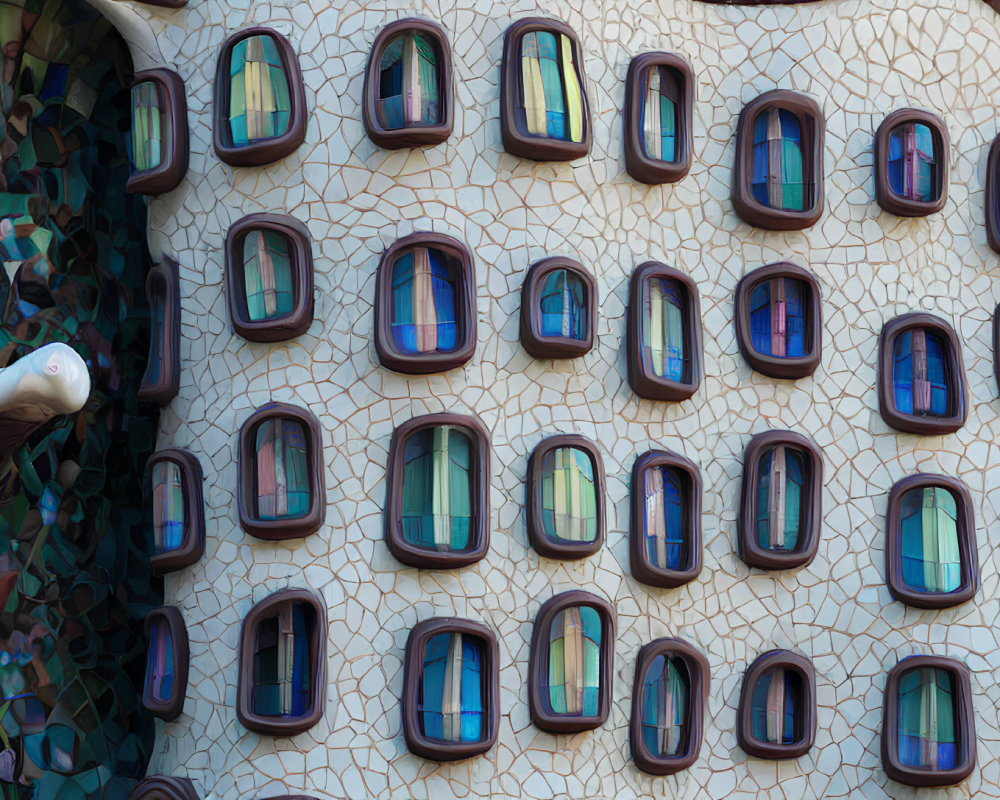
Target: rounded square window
pixel 451 689
pixel 281 492
pixel 408 86
pixel 282 678
pixel 159 145
pixel 570 670
pixel 260 101
pixel 165 685
pixel 565 502
pixel 779 323
pixel 558 309
pixel 912 151
pixel 162 379
pixel 664 333
pixel 780 504
pixel 776 717
pixel 176 479
pixel 778 172
pixel 425 305
pixel 659 101
pixel 928 725
pixel 164 787
pixel 437 492
pixel 931 559
pixel 269 277
pixel 544 114
pixel 921 379
pixel 668 706
pixel 991 200
pixel 665 531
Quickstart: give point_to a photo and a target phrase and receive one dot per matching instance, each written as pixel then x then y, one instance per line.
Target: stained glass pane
pixel 168 507
pixel 282 474
pixel 267 275
pixel 781 474
pixel 281 667
pixel 666 688
pixel 437 488
pixel 928 735
pixel 666 539
pixel 658 121
pixel 663 341
pixel 929 540
pixel 564 305
pixel 776 179
pixel 569 496
pixel 777 323
pixel 408 83
pixel 550 90
pixel 424 289
pixel 774 707
pixel 920 373
pixel 911 162
pixel 451 691
pixel 260 95
pixel 150 129
pixel 160 662
pixel 574 662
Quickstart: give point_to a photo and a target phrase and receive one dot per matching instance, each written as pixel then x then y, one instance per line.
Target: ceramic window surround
pixel 166 176
pixel 813 129
pixel 164 3
pixel 164 787
pixel 515 141
pixel 958 390
pixel 642 570
pixel 162 378
pixel 298 321
pixel 966 527
pixel 537 345
pixel 991 201
pixel 788 661
pixel 413 135
pixel 887 199
pixel 700 678
pixel 542 543
pixel 422 557
pixel 965 723
pixel 787 368
pixel 389 355
pixel 811 518
pixel 269 606
pixel 174 622
pixel 653 387
pixel 640 166
pixel 279 529
pixel 193 541
pixel 416 642
pixel 262 151
pixel 539 663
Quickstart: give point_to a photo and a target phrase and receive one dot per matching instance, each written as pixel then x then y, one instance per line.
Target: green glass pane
pixel 929 549
pixel 574 662
pixel 437 488
pixel 148 126
pixel 267 275
pixel 569 495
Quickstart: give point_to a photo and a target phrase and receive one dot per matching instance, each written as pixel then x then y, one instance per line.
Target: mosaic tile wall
pixel 859 60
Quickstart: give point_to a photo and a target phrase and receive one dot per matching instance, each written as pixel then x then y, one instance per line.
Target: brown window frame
pixel 171 617
pixel 642 570
pixel 523 145
pixel 298 321
pixel 782 368
pixel 280 529
pixel 414 135
pixel 968 551
pixel 996 343
pixel 958 399
pixel 263 151
pixel 640 166
pixel 422 557
pixel 163 291
pixel 282 726
pixel 532 340
pixel 887 199
pixel 698 670
pixel 812 125
pixel 193 541
pixel 389 355
pixel 751 553
pixel 652 387
pixel 167 176
pixel 416 643
pixel 787 660
pixel 164 787
pixel 966 721
pixel 991 197
pixel 539 663
pixel 542 544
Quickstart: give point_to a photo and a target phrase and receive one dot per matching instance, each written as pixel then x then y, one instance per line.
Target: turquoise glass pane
pixel 911 162
pixel 437 488
pixel 267 275
pixel 929 549
pixel 663 344
pixel 920 373
pixel 259 94
pixel 574 662
pixel 281 666
pixel 408 82
pixel 424 290
pixel 666 689
pixel 780 494
pixel 927 733
pixel 774 707
pixel 282 474
pixel 569 496
pixel 564 305
pixel 451 688
pixel 777 179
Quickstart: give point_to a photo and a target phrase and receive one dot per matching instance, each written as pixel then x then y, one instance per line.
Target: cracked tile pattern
pixel 859 60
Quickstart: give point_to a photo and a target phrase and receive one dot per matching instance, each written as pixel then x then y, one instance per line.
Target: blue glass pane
pixel 424 290
pixel 665 706
pixel 664 522
pixel 773 707
pixel 758 179
pixel 281 668
pixel 936 370
pixel 928 735
pixel 760 318
pixel 451 690
pixel 564 305
pixel 902 373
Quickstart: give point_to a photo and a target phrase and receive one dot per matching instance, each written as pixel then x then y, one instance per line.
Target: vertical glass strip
pixel 532 87
pixel 168 507
pixel 148 126
pixel 651 128
pixel 574 98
